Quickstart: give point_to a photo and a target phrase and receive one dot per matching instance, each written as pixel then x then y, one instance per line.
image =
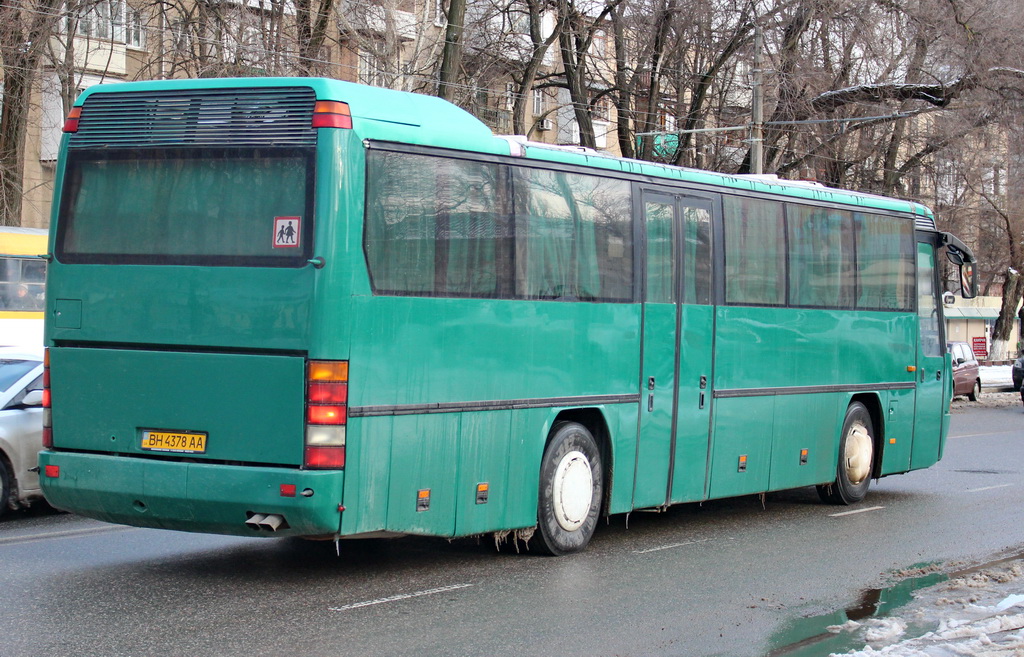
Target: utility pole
pixel 757 105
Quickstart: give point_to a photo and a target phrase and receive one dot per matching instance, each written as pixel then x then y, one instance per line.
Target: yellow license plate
pixel 174 441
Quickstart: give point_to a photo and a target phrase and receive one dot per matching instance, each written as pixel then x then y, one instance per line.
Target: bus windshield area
pixel 189 206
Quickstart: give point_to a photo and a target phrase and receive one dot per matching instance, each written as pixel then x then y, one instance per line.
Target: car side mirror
pixel 961 361
pixel 32 398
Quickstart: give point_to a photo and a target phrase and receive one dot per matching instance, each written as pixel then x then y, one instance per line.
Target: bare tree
pixel 25 28
pixel 580 22
pixel 312 18
pixel 451 52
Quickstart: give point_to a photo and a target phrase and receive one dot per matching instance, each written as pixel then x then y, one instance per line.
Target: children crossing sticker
pixel 286 232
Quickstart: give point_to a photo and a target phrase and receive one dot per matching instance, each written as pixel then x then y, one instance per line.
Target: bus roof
pixel 412 118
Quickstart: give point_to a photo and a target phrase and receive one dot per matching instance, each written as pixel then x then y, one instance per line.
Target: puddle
pixel 808 637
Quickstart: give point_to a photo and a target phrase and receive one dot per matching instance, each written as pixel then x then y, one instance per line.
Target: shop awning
pixel 971 313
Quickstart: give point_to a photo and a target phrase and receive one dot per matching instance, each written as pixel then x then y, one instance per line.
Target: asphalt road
pixel 722 578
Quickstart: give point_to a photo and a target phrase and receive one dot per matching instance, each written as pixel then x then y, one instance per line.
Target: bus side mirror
pixel 968 275
pixel 968 281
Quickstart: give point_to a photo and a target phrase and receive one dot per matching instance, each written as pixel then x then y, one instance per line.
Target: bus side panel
pixel 416 350
pixel 483 459
pixel 780 347
pixel 367 474
pixel 424 471
pixel 761 349
pixel 899 432
pixel 622 422
pixel 742 447
pixel 530 428
pixel 805 422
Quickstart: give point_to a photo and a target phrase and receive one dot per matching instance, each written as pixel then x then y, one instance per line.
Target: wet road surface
pixel 715 579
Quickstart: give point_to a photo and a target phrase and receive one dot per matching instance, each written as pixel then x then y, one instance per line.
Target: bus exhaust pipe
pixel 272 522
pixel 267 522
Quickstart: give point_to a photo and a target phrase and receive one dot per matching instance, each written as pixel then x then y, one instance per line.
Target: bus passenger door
pixel 672 448
pixel 932 397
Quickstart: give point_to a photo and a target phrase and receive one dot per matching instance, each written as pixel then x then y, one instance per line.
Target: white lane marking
pixel 669 547
pixel 400 596
pixel 985 435
pixel 978 490
pixel 68 533
pixel 850 513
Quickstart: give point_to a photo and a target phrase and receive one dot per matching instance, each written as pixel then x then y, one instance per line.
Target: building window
pixel 370 70
pixel 538 102
pixel 113 20
pixel 135 30
pixel 104 20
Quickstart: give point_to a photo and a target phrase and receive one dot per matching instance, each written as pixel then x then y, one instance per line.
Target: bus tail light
pixel 47 412
pixel 71 123
pixel 326 414
pixel 331 114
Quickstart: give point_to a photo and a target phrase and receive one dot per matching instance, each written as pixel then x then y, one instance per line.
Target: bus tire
pixel 856 459
pixel 571 490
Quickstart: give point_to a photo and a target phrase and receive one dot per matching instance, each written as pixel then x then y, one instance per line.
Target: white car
pixel 21 426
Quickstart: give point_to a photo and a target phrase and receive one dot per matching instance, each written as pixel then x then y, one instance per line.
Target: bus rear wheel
pixel 856 459
pixel 571 489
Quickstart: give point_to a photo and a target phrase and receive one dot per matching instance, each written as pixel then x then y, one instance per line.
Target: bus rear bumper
pixel 195 497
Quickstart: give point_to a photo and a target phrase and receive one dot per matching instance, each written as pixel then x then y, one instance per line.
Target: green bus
pixel 305 307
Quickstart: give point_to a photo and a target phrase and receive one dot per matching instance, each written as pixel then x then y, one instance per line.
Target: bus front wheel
pixel 571 488
pixel 856 459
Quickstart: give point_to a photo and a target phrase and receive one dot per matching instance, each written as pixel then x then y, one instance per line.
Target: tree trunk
pixel 25 30
pixel 649 112
pixel 540 47
pixel 624 85
pixel 451 55
pixel 312 23
pixel 1013 290
pixel 574 66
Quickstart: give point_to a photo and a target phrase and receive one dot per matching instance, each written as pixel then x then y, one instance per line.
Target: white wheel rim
pixel 572 491
pixel 858 454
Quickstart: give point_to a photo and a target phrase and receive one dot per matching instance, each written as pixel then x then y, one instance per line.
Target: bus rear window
pixel 243 207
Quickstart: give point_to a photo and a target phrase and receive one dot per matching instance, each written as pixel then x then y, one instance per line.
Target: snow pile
pixel 996 375
pixel 975 614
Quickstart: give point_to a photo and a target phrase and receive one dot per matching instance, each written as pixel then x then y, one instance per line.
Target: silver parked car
pixel 21 426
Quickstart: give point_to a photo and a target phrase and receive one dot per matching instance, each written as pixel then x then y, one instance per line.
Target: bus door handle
pixel 650 397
